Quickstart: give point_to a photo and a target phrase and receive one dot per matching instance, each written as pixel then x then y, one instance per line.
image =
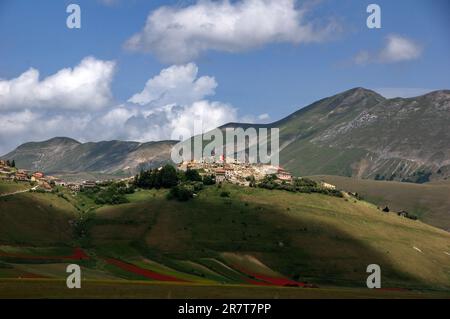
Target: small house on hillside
pixel 21 177
pixel 74 187
pixel 59 182
pixel 220 175
pixel 89 184
pixel 38 175
pixel 45 186
pixel 328 186
pixel 228 172
pixel 284 175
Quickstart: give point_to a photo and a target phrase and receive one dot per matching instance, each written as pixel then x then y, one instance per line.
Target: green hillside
pixel 35 219
pixel 8 187
pixel 255 238
pixel 429 201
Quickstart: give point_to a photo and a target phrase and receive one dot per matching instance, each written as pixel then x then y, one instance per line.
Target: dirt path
pixel 19 192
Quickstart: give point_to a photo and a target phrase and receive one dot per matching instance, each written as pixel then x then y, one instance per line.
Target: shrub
pixel 209 180
pixel 301 185
pixel 197 186
pixel 113 195
pixel 192 175
pixel 180 193
pixel 225 194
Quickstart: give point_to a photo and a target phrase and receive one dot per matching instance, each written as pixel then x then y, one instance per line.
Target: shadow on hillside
pixel 303 250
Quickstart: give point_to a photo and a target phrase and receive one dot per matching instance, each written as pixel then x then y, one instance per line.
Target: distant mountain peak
pixel 62 139
pixel 361 92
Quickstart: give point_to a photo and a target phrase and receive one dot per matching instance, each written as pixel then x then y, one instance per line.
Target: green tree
pixel 181 193
pixel 209 180
pixel 168 176
pixel 193 175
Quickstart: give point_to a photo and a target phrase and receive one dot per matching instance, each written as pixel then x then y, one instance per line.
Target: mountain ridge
pixel 62 154
pixel 354 133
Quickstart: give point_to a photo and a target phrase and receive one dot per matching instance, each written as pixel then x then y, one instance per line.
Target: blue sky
pixel 274 78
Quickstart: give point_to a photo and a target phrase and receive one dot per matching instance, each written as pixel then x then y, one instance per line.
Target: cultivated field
pixel 35 288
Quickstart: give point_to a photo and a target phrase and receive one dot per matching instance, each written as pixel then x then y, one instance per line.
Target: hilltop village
pixel 235 172
pixel 222 170
pixel 184 181
pixel 43 182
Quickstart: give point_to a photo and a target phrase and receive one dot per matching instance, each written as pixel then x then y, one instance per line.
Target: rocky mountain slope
pixel 360 133
pixel 61 154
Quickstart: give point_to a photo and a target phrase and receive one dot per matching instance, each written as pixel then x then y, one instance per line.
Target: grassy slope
pixel 324 240
pixel 35 219
pixel 313 237
pixel 430 201
pixel 7 187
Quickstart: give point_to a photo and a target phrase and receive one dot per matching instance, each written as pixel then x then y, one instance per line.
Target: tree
pixel 180 193
pixel 209 180
pixel 168 176
pixel 8 163
pixel 193 175
pixel 13 163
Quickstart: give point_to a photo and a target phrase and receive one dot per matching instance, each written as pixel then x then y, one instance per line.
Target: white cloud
pixel 25 126
pixel 178 35
pixel 203 116
pixel 176 84
pixel 172 100
pixel 84 87
pixel 399 49
pixel 396 49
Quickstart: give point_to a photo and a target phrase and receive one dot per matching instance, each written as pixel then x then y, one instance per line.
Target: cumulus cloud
pixel 174 100
pixel 165 122
pixel 179 35
pixel 396 49
pixel 86 86
pixel 176 84
pixel 18 127
pixel 399 49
